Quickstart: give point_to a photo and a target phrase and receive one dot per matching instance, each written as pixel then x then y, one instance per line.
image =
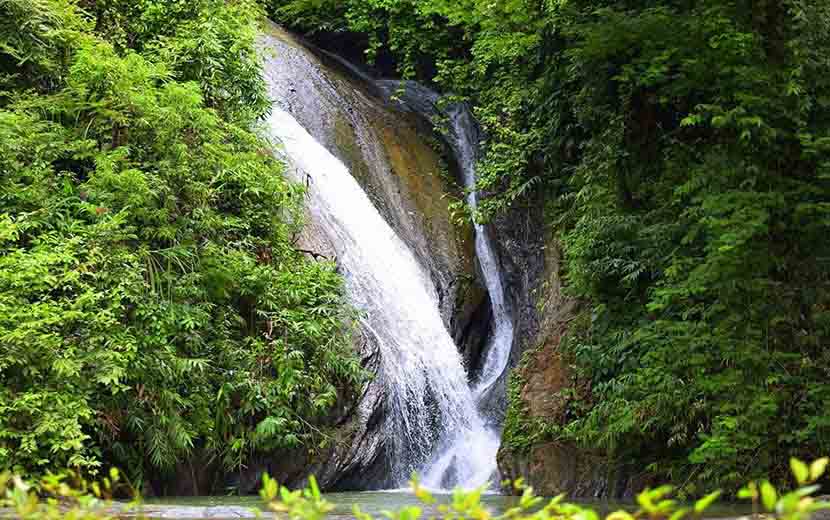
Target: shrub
pixel 153 308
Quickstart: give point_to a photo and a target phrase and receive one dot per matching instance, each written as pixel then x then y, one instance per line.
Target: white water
pixel 475 450
pixel 498 353
pixel 421 369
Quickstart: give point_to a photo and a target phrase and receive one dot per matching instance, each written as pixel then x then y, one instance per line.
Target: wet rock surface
pixel 530 264
pixel 553 468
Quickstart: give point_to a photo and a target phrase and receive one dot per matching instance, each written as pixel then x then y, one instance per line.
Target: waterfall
pixel 484 443
pixel 464 136
pixel 421 369
pixel 468 458
pixel 433 422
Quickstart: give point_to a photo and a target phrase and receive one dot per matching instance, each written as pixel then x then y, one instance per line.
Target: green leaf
pixel 769 496
pixel 800 471
pixel 702 504
pixel 750 491
pixel 807 490
pixel 623 515
pixel 315 489
pixel 818 467
pixel 679 514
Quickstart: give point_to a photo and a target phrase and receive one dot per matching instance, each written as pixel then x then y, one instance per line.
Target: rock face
pixel 547 388
pixel 553 468
pixel 546 383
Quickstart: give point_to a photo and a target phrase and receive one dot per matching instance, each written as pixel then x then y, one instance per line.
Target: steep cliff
pixel 544 390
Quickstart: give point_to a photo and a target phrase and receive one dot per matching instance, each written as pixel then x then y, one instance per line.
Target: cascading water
pixel 468 458
pixel 433 420
pixel 464 136
pixel 420 366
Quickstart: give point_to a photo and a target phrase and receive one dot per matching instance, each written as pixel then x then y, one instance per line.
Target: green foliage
pixel 152 306
pixel 211 42
pixel 651 504
pixel 57 496
pixel 517 432
pixel 685 151
pixel 85 500
pixel 685 231
pixel 301 504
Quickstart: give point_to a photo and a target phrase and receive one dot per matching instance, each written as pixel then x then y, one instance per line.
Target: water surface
pixel 376 502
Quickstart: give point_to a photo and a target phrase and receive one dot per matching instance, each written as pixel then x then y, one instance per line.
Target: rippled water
pixel 372 502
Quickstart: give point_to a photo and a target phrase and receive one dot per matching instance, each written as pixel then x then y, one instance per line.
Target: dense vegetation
pixel 683 147
pixel 152 307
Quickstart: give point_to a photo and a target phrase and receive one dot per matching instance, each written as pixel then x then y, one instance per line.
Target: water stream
pixel 433 422
pixel 422 372
pixel 468 458
pixel 376 502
